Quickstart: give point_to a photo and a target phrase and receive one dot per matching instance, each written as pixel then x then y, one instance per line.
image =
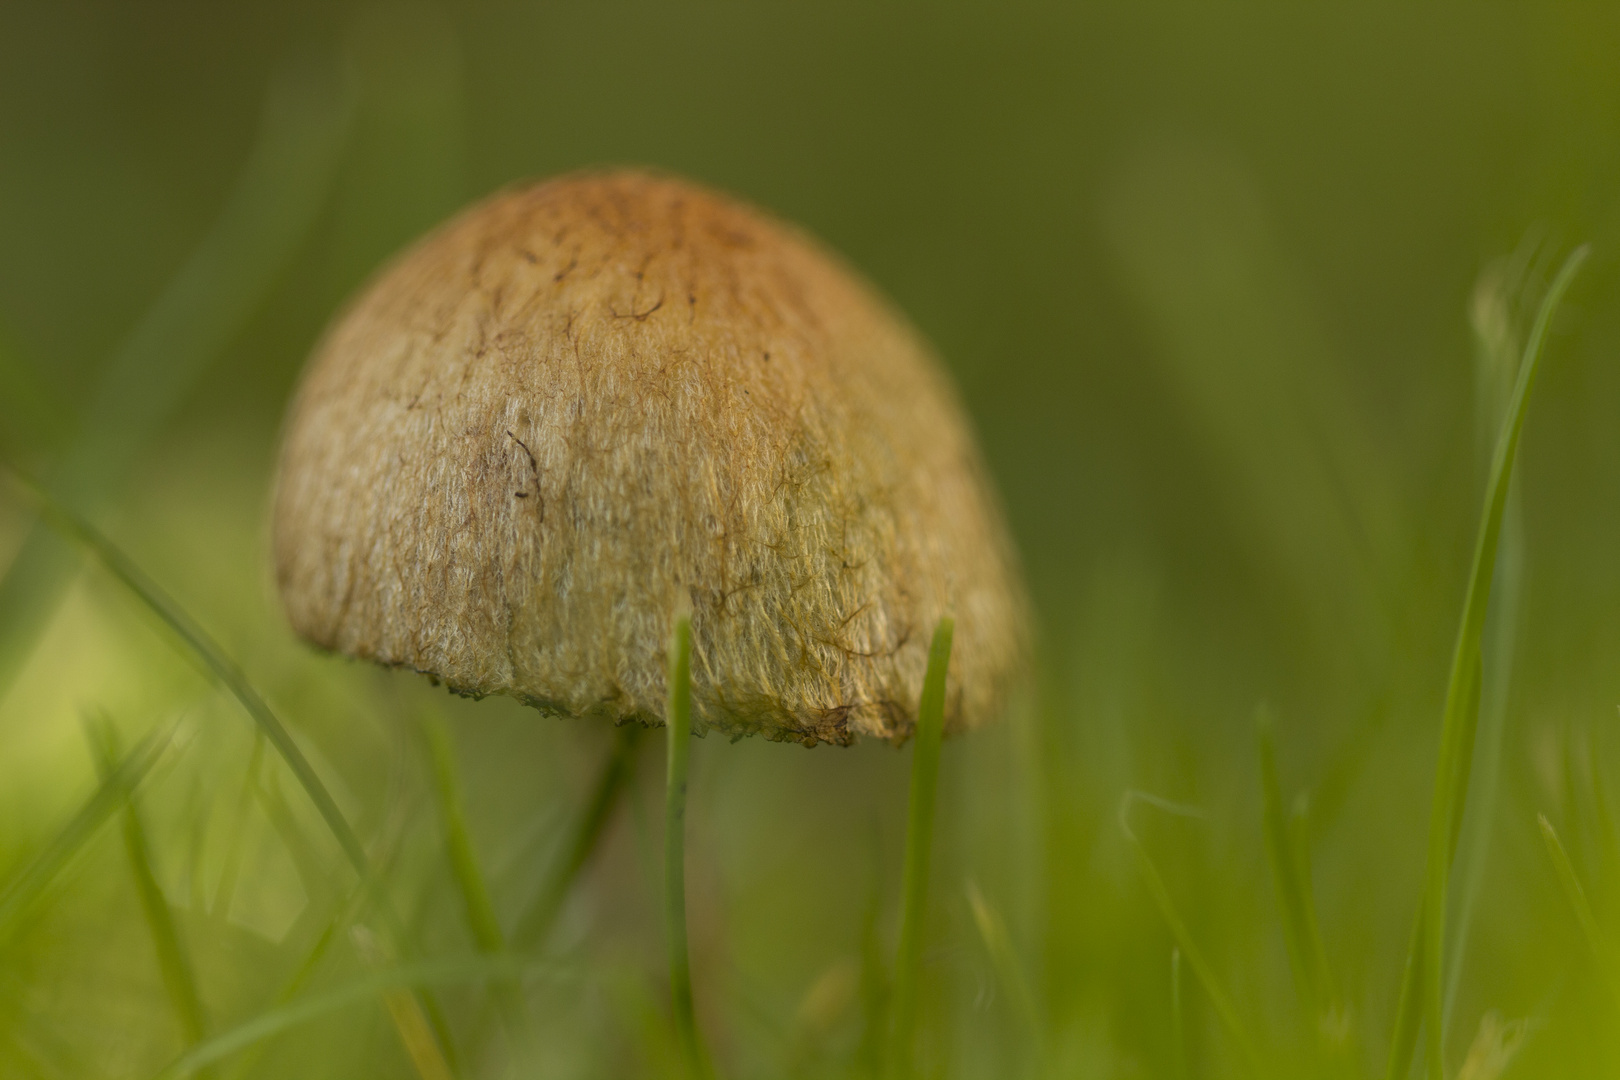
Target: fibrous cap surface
pixel 583 404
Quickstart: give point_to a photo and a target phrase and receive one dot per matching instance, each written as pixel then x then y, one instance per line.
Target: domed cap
pixel 583 405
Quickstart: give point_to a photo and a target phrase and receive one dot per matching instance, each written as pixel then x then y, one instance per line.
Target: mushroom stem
pixel 678 727
pixel 919 834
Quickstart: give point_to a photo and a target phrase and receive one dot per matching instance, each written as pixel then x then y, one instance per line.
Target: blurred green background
pixel 1225 290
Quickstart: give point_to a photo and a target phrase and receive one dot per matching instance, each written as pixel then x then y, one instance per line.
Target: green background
pixel 1209 280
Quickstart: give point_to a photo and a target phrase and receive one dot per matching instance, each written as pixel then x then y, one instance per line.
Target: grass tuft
pixel 1461 713
pixel 216 662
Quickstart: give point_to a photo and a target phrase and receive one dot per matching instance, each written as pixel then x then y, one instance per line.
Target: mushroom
pixel 590 412
pixel 585 404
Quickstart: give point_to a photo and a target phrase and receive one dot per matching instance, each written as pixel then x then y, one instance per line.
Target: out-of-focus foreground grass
pixel 1235 300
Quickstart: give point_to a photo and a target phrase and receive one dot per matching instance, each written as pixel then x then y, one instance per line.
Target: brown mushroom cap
pixel 582 404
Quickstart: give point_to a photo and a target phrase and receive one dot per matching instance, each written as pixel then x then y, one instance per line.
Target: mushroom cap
pixel 581 406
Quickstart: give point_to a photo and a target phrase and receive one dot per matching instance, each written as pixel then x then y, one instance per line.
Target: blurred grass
pixel 1226 294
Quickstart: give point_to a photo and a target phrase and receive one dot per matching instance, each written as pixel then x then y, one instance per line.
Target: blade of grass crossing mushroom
pixel 1201 967
pixel 919 839
pixel 1459 720
pixel 1604 953
pixel 610 786
pixel 482 921
pixel 678 731
pixel 179 979
pixel 19 894
pixel 218 664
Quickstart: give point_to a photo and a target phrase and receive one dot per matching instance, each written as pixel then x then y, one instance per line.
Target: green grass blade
pixel 1179 1064
pixel 1459 720
pixel 919 842
pixel 372 986
pixel 30 416
pixel 411 1024
pixel 868 1059
pixel 1009 970
pixel 479 910
pixel 1310 972
pixel 235 849
pixel 217 663
pixel 1299 832
pixel 276 200
pixel 678 736
pixel 482 921
pixel 1603 949
pixel 1202 968
pixel 22 890
pixel 178 977
pixel 301 976
pixel 605 797
pixel 1497 353
pixel 213 658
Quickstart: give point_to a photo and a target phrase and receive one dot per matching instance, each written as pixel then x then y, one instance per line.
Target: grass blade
pixel 678 734
pixel 217 663
pixel 482 921
pixel 1497 353
pixel 1299 831
pixel 225 892
pixel 1179 1064
pixel 610 787
pixel 1195 958
pixel 23 889
pixel 1603 950
pixel 1300 931
pixel 30 415
pixel 919 839
pixel 213 658
pixel 480 911
pixel 1461 713
pixel 276 200
pixel 998 943
pixel 178 977
pixel 419 975
pixel 301 976
pixel 410 1022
